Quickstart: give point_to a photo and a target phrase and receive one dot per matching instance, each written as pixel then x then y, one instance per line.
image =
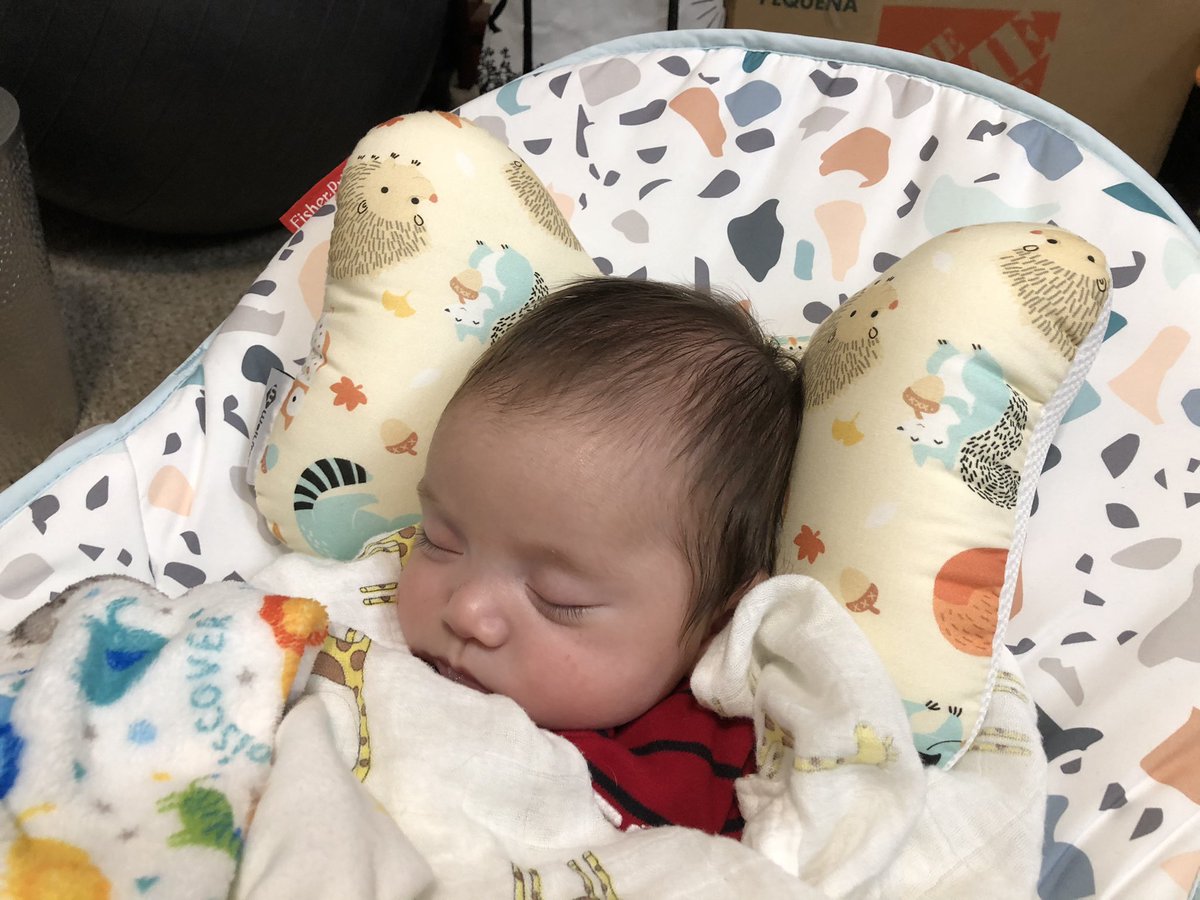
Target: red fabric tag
pixel 320 194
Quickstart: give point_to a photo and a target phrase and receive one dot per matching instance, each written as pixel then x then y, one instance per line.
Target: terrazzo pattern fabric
pixel 792 180
pixel 162 496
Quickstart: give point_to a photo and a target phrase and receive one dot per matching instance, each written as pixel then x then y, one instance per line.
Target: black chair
pixel 206 116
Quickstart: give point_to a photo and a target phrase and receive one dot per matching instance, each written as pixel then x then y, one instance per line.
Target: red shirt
pixel 673 765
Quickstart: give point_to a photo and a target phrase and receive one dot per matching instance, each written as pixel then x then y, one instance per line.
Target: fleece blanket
pixel 146 753
pixel 136 736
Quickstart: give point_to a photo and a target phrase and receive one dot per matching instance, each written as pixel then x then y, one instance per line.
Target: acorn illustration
pixel 858 592
pixel 398 437
pixel 467 284
pixel 925 395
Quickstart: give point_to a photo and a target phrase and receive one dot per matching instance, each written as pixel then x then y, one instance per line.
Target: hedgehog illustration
pixel 937 730
pixel 542 208
pixel 1060 283
pixel 380 217
pixel 847 343
pixel 966 415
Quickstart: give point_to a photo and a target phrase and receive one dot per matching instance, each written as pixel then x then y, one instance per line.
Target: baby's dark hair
pixel 665 363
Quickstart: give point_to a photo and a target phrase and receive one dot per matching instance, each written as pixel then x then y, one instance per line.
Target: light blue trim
pixel 904 63
pixel 98 440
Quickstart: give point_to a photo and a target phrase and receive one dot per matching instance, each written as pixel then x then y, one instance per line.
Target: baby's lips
pixel 448 671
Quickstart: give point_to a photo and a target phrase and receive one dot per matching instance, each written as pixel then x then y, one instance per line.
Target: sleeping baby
pixel 600 498
pixel 600 492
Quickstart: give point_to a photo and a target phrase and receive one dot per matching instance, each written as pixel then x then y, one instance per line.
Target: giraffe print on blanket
pixel 342 661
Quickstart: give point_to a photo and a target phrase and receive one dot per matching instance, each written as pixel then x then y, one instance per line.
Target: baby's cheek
pixel 411 599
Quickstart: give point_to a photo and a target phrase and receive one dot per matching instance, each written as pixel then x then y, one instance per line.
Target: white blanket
pixel 391 781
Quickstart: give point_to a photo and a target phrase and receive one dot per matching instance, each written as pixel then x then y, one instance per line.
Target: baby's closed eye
pixel 564 613
pixel 430 547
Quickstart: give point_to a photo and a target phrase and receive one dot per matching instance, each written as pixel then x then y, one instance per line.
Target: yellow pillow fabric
pixel 441 237
pixel 931 397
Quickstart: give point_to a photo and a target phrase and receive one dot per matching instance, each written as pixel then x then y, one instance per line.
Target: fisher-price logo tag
pixel 279 384
pixel 308 205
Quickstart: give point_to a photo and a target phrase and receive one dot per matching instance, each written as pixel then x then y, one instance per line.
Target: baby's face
pixel 548 570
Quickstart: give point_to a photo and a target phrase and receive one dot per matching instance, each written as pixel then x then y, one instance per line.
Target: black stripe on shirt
pixel 629 803
pixel 720 769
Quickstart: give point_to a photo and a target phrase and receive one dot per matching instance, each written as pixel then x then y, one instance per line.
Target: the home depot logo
pixel 1010 45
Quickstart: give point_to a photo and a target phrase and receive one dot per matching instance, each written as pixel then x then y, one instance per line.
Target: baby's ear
pixel 758 578
pixel 721 619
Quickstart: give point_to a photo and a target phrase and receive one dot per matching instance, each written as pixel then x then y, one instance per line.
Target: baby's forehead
pixel 608 440
pixel 642 419
pixel 594 481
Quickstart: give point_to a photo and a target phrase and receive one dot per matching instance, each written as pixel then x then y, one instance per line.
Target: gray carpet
pixel 136 305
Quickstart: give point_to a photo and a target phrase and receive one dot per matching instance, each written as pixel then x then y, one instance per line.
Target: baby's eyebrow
pixel 424 492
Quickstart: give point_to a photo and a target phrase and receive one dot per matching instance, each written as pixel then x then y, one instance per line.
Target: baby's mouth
pixel 446 670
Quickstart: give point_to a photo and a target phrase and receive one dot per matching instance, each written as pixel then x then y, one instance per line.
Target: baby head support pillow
pixel 441 237
pixel 931 397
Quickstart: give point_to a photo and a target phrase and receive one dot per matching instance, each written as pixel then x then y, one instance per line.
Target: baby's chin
pixel 552 722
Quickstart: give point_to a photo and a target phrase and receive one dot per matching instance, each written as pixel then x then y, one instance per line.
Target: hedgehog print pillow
pixel 931 397
pixel 442 237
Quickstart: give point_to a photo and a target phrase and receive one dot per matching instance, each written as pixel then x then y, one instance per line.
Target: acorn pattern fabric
pixel 794 175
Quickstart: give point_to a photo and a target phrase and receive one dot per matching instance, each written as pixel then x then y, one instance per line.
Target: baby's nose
pixel 474 613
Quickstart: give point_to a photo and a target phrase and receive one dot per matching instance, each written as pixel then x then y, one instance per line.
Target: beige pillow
pixel 931 397
pixel 441 237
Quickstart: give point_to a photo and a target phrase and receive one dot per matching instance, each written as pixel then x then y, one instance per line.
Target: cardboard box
pixel 1124 68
